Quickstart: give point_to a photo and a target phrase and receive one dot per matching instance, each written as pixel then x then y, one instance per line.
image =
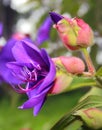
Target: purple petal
pixel 45 56
pixel 50 76
pixel 33 101
pixel 38 107
pixel 14 66
pixel 55 17
pixel 7 75
pixel 25 52
pixel 44 31
pixel 36 101
pixel 6 52
pixel 29 104
pixel 16 69
pixel 6 56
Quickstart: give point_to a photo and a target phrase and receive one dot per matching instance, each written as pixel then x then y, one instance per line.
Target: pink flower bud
pixel 92 117
pixel 73 64
pixel 75 33
pixel 64 67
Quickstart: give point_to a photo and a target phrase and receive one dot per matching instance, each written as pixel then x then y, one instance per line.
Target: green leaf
pixel 92 101
pixel 99 72
pixel 99 81
pixel 92 91
pixel 75 125
pixel 80 81
pixel 99 77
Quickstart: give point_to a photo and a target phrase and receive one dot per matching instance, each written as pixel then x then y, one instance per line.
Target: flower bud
pixel 64 67
pixel 75 33
pixel 91 116
pixel 73 64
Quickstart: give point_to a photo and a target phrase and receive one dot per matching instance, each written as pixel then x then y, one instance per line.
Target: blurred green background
pixel 26 16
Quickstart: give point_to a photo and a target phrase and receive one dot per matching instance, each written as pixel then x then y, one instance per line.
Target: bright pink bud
pixel 64 67
pixel 73 64
pixel 75 33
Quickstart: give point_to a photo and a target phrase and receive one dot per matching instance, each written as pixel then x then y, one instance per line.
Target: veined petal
pixel 25 52
pixel 7 75
pixel 33 101
pixel 7 56
pixel 38 107
pixel 49 77
pixel 45 57
pixel 16 70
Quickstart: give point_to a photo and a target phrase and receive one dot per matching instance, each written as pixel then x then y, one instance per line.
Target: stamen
pixel 34 73
pixel 25 72
pixel 29 75
pixel 22 90
pixel 36 65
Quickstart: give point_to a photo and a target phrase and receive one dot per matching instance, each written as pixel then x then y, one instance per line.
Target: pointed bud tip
pixel 55 17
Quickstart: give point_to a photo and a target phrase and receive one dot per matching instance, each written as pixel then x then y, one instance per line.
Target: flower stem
pixel 88 60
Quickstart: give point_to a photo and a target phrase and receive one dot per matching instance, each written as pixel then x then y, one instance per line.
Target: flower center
pixel 29 75
pixel 32 73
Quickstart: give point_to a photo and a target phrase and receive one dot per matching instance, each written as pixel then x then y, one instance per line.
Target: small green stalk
pixel 88 60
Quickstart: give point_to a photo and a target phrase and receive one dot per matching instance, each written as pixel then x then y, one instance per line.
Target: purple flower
pixel 43 33
pixel 37 72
